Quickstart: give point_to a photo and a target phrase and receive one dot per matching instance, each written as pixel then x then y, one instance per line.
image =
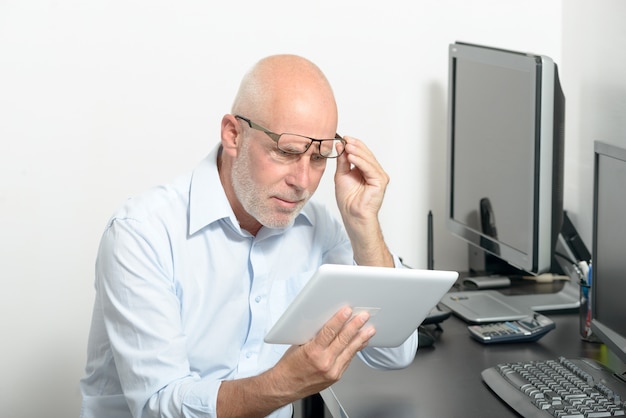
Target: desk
pixel 444 380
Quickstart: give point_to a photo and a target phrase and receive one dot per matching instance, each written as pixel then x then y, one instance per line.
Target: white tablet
pixel 398 300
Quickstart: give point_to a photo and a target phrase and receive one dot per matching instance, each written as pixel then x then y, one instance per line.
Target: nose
pixel 300 172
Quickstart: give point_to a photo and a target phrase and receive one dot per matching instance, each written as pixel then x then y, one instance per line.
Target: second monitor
pixel 506 118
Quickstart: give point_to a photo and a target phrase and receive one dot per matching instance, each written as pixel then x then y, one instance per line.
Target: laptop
pixel 398 300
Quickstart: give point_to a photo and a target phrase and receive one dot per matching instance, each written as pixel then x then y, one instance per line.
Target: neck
pixel 246 221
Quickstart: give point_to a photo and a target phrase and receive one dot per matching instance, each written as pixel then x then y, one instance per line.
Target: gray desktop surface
pixel 444 380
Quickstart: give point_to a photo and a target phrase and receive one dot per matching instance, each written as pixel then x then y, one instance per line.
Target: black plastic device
pixel 436 316
pixel 530 328
pixel 430 327
pixel 575 242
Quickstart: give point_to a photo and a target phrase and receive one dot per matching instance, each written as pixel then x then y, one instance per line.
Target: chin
pixel 281 222
pixel 279 225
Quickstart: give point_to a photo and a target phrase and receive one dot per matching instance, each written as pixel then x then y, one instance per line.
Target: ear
pixel 231 134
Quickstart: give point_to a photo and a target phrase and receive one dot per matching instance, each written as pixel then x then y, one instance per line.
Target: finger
pixel 357 148
pixel 353 334
pixel 355 330
pixel 343 165
pixel 333 327
pixel 354 337
pixel 349 163
pixel 359 155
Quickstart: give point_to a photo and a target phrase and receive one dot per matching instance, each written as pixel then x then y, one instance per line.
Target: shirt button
pixel 257 299
pixel 248 355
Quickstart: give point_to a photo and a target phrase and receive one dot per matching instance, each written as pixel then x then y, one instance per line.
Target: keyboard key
pixel 562 388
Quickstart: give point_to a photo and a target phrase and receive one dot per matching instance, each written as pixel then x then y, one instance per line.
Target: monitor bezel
pixel 538 256
pixel 613 340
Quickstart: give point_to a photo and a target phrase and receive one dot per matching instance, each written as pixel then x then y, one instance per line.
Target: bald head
pixel 282 88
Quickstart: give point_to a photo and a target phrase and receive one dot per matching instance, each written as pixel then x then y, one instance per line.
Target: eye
pixel 318 161
pixel 283 157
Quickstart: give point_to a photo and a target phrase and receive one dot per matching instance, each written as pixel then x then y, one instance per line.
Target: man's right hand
pixel 302 371
pixel 314 366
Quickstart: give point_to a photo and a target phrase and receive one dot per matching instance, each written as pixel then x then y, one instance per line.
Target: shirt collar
pixel 208 202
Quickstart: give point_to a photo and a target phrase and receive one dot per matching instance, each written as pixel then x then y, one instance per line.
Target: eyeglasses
pixel 299 144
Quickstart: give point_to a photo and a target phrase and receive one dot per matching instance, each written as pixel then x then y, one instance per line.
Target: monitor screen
pixel 505 165
pixel 609 241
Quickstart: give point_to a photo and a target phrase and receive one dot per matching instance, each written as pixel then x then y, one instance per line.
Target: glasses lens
pixel 296 144
pixel 331 148
pixel 293 144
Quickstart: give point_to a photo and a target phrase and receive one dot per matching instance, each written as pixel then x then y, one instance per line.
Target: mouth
pixel 288 203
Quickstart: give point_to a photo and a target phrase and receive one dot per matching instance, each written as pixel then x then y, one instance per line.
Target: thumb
pixel 343 165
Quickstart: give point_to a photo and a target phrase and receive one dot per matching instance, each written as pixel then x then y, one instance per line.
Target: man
pixel 190 276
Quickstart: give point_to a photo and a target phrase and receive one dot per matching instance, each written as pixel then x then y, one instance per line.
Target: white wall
pixel 101 99
pixel 594 64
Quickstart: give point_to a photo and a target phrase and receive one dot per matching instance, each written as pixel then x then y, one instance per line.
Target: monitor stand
pixel 483 306
pixel 568 298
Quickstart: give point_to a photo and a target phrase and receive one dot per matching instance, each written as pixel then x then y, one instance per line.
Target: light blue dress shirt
pixel 184 297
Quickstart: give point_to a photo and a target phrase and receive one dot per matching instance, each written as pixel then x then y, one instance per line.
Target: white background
pixel 100 100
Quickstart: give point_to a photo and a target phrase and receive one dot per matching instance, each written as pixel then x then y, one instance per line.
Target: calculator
pixel 530 328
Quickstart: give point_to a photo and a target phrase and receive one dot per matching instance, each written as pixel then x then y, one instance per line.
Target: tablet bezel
pixel 398 299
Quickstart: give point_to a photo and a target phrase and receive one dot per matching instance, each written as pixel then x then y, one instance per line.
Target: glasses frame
pixel 276 137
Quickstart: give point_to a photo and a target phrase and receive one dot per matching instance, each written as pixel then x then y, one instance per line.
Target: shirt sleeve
pixel 141 314
pixel 394 357
pixel 391 358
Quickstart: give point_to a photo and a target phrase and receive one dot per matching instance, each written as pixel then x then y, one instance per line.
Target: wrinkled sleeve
pixel 141 314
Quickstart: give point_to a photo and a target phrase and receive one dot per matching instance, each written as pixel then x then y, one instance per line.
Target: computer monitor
pixel 506 116
pixel 608 270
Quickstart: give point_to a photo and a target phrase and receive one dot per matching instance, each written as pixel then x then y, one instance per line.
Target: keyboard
pixel 564 388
